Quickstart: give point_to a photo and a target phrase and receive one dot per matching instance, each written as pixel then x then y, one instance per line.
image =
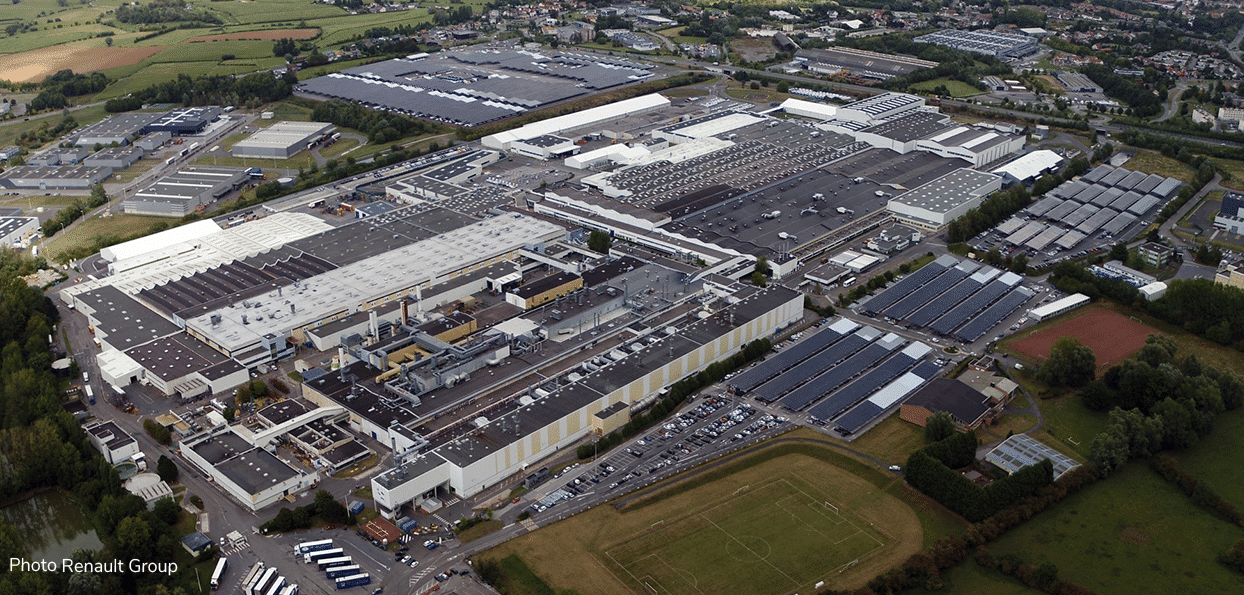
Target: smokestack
pixel 372 324
pixel 341 361
pixel 405 311
pixel 419 303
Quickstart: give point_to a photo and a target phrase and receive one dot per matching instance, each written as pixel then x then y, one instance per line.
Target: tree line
pixel 932 471
pixel 163 11
pixel 992 211
pixel 379 126
pixel 251 90
pixel 678 392
pixel 43 446
pixel 1142 102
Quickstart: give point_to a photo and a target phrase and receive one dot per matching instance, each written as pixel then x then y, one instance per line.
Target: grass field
pixel 1157 163
pixel 970 578
pixel 782 534
pixel 1206 460
pixel 85 232
pixel 783 520
pixel 1232 168
pixel 956 88
pixel 1132 533
pixel 892 440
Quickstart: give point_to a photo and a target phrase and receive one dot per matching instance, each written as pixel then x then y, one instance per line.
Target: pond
pixel 52 526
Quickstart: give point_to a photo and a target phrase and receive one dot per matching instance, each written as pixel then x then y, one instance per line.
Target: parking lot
pixel 715 424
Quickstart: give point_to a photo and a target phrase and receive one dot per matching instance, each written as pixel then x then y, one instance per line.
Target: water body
pixel 52 526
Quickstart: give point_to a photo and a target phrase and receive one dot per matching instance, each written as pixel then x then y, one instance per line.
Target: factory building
pixel 183 121
pixel 1004 46
pixel 153 141
pixel 253 476
pixel 14 230
pixel 53 178
pixel 974 145
pixel 114 157
pixel 482 459
pixel 281 140
pixel 180 193
pixel 937 203
pixel 591 117
pixel 545 147
pixel 545 290
pixel 116 129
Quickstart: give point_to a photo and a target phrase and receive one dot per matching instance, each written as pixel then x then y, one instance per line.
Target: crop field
pixel 262 35
pixel 37 65
pixel 778 524
pixel 1111 335
pixel 1131 533
pixel 85 232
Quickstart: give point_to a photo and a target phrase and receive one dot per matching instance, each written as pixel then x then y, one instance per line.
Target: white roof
pixel 502 140
pixel 1070 301
pixel 719 125
pixel 617 153
pixel 811 109
pixel 1030 165
pixel 156 241
pixel 282 135
pixel 1152 288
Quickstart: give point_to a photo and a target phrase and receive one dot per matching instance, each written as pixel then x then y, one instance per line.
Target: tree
pixel 599 241
pixel 762 266
pixel 328 508
pixel 758 279
pixel 167 511
pixel 157 431
pixel 939 426
pixel 783 87
pixel 133 539
pixel 229 414
pixel 1119 252
pixel 1070 364
pixel 167 469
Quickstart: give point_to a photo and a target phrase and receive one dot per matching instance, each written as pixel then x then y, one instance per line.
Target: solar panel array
pixel 892 393
pixel 961 313
pixel 763 371
pixel 834 377
pixel 908 284
pixel 978 326
pixel 926 292
pixel 867 384
pixel 938 305
pixel 780 385
pixel 1081 208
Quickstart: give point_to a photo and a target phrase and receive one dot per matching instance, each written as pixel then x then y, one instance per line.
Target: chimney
pixel 372 324
pixel 405 311
pixel 419 303
pixel 341 362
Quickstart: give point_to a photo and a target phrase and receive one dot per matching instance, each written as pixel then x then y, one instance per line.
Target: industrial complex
pixel 458 323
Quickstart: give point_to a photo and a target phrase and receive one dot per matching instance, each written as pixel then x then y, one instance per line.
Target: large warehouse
pixel 281 140
pixel 937 203
pixel 470 87
pixel 991 43
pixel 183 121
pixel 180 193
pixel 119 129
pixel 53 178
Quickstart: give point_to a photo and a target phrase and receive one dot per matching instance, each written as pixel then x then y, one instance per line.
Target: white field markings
pixel 816 504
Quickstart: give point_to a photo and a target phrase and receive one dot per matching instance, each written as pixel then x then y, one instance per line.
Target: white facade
pixel 112 442
pixel 810 109
pixel 486 469
pixel 1057 307
pixel 596 115
pixel 1031 166
pixel 941 201
pixel 974 146
pixel 157 241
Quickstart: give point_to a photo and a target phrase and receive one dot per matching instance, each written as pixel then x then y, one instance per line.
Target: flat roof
pixel 283 135
pixel 282 411
pixel 174 356
pixel 947 192
pixel 256 470
pixel 544 284
pixel 125 322
pixel 1022 450
pixel 110 434
pixel 911 126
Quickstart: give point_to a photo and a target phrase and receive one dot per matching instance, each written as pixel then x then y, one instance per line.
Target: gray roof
pixel 125 322
pixel 175 356
pixel 911 126
pixel 256 470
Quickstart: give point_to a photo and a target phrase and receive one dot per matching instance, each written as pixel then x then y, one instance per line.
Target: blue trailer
pixel 408 525
pixel 340 571
pixel 357 507
pixel 357 580
pixel 307 547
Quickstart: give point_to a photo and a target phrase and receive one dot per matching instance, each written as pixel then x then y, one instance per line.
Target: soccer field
pixel 772 537
pixel 773 520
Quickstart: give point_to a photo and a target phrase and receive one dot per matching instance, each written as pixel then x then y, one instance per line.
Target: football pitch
pixel 778 536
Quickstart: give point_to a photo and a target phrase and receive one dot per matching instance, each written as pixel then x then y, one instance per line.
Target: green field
pixel 778 536
pixel 956 88
pixel 1216 460
pixel 84 233
pixel 1131 533
pixel 1157 163
pixel 776 520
